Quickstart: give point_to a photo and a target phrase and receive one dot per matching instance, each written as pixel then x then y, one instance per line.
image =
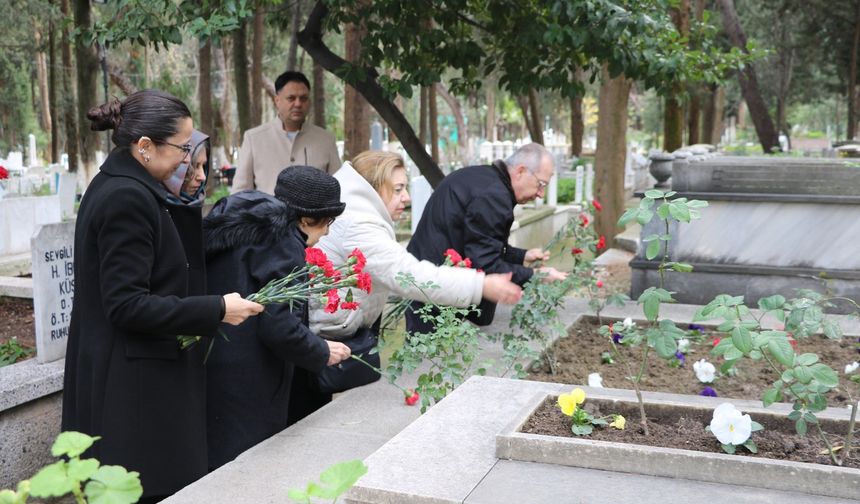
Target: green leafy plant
pixel 86 479
pixel 451 349
pixel 12 351
pixel 334 481
pixel 582 423
pixel 800 378
pixel 659 336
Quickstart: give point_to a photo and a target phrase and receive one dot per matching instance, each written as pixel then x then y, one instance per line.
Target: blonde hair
pixel 377 168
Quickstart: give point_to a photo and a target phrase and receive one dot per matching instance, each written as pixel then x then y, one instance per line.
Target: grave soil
pixel 16 320
pixel 579 354
pixel 687 432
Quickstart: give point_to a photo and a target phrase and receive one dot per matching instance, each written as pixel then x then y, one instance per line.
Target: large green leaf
pixel 654 194
pixel 824 375
pixel 771 303
pixel 653 250
pixel 72 444
pixel 114 485
pixel 742 339
pixel 781 350
pixel 51 481
pixel 806 359
pixel 771 396
pixel 679 211
pixel 82 470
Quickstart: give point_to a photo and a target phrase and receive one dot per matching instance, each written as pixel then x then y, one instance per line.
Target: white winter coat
pixel 366 225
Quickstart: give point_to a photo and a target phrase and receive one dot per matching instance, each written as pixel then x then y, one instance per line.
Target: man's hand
pixel 337 352
pixel 498 288
pixel 552 274
pixel 535 254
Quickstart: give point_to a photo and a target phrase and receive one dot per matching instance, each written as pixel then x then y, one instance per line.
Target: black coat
pixel 250 240
pixel 138 258
pixel 471 212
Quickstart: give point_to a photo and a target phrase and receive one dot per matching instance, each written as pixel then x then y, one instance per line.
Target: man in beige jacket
pixel 284 141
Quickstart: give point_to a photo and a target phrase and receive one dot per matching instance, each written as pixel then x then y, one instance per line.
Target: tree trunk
pixel 52 94
pixel 222 93
pixel 433 117
pixel 319 95
pixel 610 154
pixel 310 38
pixel 764 127
pixel 69 113
pixel 523 102
pixel 295 23
pixel 537 116
pixel 577 122
pixel 852 79
pixel 709 120
pixel 492 129
pixel 694 130
pixel 257 67
pixel 87 66
pixel 204 89
pixel 457 111
pixel 240 75
pixel 422 116
pixel 356 121
pixel 42 76
pixel 120 79
pixel 673 114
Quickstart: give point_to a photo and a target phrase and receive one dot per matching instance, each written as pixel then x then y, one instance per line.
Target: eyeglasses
pixel 330 221
pixel 541 183
pixel 186 149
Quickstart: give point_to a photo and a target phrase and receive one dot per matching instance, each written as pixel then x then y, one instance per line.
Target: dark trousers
pixel 304 398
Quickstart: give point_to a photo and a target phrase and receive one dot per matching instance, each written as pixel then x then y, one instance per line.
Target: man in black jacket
pixel 472 211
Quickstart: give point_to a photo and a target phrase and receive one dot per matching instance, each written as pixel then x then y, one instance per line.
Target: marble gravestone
pixel 52 249
pixel 773 225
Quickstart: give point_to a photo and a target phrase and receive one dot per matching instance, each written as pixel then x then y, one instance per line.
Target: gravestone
pixel 421 191
pixel 580 182
pixel 31 151
pixel 66 189
pixel 52 249
pixel 589 182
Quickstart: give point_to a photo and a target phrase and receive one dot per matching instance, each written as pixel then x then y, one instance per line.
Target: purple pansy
pixel 708 392
pixel 696 327
pixel 682 359
pixel 616 338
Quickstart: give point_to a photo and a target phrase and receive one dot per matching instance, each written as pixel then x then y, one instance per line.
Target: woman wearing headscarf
pixel 126 378
pixel 252 238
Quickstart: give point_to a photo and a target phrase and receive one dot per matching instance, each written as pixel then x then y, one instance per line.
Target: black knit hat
pixel 309 191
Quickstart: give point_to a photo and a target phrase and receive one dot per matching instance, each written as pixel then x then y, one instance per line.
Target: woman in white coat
pixel 374 187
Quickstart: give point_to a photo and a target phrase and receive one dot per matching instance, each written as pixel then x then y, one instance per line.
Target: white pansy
pixel 705 371
pixel 595 380
pixel 850 368
pixel 683 345
pixel 628 323
pixel 730 426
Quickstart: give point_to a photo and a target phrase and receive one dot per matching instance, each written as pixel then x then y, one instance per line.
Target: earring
pixel 141 150
pixel 146 158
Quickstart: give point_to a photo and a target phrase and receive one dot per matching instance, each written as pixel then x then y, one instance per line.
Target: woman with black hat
pixel 252 238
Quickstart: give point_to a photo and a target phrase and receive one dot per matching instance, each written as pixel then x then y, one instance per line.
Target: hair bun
pixel 105 116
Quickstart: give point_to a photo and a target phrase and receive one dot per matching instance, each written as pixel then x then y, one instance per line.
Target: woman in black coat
pixel 252 238
pixel 139 286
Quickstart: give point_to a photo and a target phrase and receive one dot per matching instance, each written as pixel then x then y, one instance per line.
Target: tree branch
pixel 310 38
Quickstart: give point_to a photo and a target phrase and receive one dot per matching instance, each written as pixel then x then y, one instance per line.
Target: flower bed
pixel 541 433
pixel 581 354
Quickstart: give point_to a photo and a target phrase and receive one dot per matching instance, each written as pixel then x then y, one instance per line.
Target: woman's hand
pixel 337 352
pixel 239 309
pixel 498 288
pixel 552 274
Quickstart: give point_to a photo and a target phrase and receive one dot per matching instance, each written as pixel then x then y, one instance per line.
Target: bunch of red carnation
pixel 4 173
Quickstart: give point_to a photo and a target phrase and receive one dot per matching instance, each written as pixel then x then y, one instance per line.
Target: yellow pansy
pixel 619 422
pixel 569 402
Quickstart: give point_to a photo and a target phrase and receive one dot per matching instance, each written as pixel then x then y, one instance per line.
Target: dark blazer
pixel 250 240
pixel 138 276
pixel 471 212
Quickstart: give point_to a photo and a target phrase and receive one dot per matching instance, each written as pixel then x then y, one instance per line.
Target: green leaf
pixel 629 215
pixel 72 444
pixel 755 426
pixel 824 375
pixel 581 430
pixel 644 217
pixel 114 485
pixel 806 359
pixel 781 350
pixel 339 477
pixel 662 342
pixel 751 446
pixel 682 267
pixel 771 396
pixel 732 353
pixel 663 211
pixel 653 250
pixel 82 470
pixel 51 481
pixel 654 194
pixel 810 417
pixel 771 303
pixel 794 415
pixel 742 339
pixel 800 426
pixel 728 448
pixel 803 374
pixel 679 211
pixel 832 330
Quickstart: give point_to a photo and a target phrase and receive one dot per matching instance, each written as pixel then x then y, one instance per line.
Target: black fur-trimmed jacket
pixel 251 239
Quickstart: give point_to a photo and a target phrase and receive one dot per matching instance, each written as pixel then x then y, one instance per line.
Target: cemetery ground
pixel 16 323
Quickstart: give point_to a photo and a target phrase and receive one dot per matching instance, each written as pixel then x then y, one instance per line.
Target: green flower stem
pixel 823 437
pixel 849 438
pixel 381 372
pixel 643 420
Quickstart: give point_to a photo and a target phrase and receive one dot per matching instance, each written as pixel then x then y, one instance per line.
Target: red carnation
pixel 792 342
pixel 716 341
pixel 467 263
pixel 333 301
pixel 316 257
pixel 360 260
pixel 329 271
pixel 364 282
pixel 599 284
pixel 411 397
pixel 453 256
pixel 597 205
pixel 349 305
pixel 601 242
pixel 4 173
pixel 576 251
pixel 583 219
